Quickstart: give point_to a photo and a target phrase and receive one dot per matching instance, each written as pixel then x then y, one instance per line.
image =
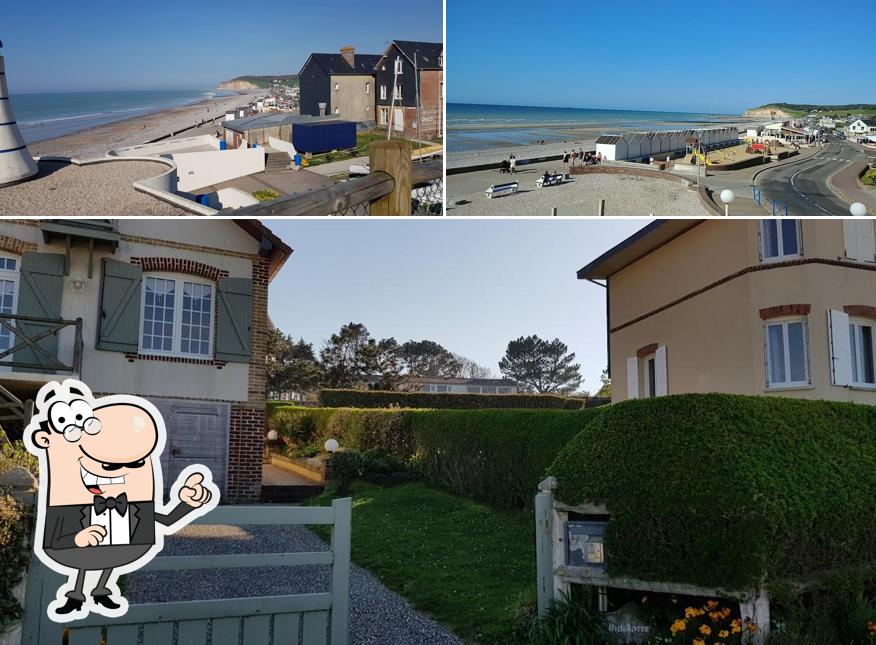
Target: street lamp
pixel 727 197
pixel 331 445
pixel 858 209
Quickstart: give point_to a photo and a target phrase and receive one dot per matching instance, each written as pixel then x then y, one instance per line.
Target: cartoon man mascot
pixel 100 497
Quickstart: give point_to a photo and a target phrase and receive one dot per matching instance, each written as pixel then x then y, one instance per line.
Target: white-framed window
pixel 859 236
pixel 384 116
pixel 863 352
pixel 398 65
pixel 780 239
pixel 367 88
pixel 649 364
pixel 383 91
pixel 473 389
pixel 337 86
pixel 648 375
pixel 398 92
pixel 503 390
pixel 9 277
pixel 787 353
pixel 176 316
pixel 441 60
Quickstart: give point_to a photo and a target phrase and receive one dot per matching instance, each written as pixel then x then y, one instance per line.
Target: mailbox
pixel 585 542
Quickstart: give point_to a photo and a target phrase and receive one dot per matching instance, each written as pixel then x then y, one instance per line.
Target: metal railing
pixel 778 208
pixel 26 332
pixel 413 188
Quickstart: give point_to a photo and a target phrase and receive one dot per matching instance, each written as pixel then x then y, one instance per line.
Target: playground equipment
pixel 759 148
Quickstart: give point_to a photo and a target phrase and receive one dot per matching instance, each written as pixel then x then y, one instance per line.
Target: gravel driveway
pixel 377 615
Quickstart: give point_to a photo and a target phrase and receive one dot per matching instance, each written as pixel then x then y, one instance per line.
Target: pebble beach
pixel 95 142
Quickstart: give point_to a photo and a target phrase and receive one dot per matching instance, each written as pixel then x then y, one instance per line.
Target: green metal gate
pixel 298 619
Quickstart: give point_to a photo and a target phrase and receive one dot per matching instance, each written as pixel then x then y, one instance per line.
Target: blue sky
pixel 192 44
pixel 676 55
pixel 471 285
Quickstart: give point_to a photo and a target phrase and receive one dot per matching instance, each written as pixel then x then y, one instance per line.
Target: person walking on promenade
pixel 565 158
pixel 574 158
pixel 513 162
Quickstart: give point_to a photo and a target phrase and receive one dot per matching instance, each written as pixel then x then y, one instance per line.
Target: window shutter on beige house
pixel 40 294
pixel 860 239
pixel 633 378
pixel 661 387
pixel 840 347
pixel 118 324
pixel 234 320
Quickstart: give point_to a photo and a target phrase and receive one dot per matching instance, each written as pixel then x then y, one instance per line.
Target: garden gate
pixel 298 619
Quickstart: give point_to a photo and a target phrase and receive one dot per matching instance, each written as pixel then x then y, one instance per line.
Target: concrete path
pixel 274 476
pixel 377 615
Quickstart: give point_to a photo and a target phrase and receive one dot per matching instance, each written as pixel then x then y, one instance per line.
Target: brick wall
pixel 247 431
pixel 15 246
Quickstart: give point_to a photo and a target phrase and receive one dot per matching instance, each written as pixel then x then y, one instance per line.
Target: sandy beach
pixel 95 142
pixel 578 138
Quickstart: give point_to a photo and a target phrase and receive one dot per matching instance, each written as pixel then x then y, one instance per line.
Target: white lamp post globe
pixel 858 209
pixel 272 435
pixel 727 196
pixel 331 445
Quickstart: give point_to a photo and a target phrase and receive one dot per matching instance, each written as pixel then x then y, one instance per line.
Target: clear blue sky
pixel 471 285
pixel 192 44
pixel 675 55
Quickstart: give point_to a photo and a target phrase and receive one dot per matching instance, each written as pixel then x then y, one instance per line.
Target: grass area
pixel 363 142
pixel 468 565
pixel 869 178
pixel 801 109
pixel 266 195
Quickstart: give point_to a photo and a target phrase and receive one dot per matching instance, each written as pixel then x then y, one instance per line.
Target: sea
pixel 45 115
pixel 474 127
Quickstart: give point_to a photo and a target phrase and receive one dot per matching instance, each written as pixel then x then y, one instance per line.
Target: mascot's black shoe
pixel 69 607
pixel 106 601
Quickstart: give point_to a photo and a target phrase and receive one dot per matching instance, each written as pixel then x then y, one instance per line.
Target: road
pixel 803 186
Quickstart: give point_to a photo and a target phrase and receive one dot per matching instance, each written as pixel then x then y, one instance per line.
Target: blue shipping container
pixel 324 136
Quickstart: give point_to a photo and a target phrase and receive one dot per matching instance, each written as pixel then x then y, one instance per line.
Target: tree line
pixel 351 357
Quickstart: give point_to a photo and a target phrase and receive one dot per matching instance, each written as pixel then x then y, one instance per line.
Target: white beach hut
pixel 15 160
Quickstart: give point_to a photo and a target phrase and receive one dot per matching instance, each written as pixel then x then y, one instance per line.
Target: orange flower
pixel 705 630
pixel 723 633
pixel 699 641
pixel 712 604
pixel 678 626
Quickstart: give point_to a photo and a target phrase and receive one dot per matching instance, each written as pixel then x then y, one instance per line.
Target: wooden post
pixel 601 207
pixel 544 502
pixel 393 158
pixel 341 534
pixel 757 609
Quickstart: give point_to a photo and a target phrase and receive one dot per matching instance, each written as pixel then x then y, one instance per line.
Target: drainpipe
pixel 604 285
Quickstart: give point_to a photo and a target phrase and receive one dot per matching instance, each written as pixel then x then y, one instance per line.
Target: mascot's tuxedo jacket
pixel 64 522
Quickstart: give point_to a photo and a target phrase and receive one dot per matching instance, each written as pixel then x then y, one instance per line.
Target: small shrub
pixel 266 195
pixel 869 177
pixel 383 469
pixel 347 466
pixel 570 622
pixel 15 524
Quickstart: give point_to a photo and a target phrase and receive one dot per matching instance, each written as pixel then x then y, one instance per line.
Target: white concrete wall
pixel 607 150
pixel 284 146
pixel 233 198
pixel 198 169
pixel 166 147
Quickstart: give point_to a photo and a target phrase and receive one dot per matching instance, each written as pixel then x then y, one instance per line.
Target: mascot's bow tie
pixel 119 503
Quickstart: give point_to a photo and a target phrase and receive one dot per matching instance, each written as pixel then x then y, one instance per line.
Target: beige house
pixel 779 306
pixel 171 310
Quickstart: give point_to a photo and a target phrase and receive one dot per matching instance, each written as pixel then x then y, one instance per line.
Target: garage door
pixel 197 433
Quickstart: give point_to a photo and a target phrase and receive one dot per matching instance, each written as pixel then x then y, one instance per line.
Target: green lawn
pixel 466 564
pixel 869 177
pixel 363 141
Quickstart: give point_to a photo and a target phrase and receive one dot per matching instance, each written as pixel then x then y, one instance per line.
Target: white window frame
pixel 781 257
pixel 337 86
pixel 384 116
pixel 367 87
pixel 399 65
pixel 15 278
pixel 383 91
pixel 398 92
pixel 176 341
pixel 647 383
pixel 858 352
pixel 807 373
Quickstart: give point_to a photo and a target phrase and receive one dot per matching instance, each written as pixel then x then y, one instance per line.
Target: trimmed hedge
pixel 449 400
pixel 497 456
pixel 728 490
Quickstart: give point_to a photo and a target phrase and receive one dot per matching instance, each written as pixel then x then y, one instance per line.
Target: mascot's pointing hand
pixel 193 492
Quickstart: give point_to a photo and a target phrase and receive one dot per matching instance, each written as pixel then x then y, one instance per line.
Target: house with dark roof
pixel 410 75
pixel 340 85
pixel 863 127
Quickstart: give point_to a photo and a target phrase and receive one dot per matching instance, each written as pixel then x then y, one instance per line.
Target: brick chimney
pixel 349 55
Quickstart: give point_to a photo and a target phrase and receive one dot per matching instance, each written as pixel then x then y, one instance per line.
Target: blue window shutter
pixel 118 321
pixel 40 293
pixel 234 320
